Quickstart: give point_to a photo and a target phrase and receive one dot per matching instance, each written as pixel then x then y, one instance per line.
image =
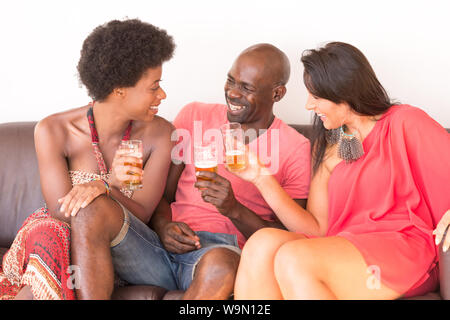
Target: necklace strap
pixel 95 141
pixel 94 133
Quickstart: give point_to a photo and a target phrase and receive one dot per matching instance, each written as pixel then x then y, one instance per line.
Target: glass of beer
pixel 233 140
pixel 205 159
pixel 134 148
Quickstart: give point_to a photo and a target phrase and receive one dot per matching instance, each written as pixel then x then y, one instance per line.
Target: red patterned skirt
pixel 40 258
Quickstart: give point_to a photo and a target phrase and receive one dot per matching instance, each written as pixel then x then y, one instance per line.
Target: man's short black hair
pixel 116 54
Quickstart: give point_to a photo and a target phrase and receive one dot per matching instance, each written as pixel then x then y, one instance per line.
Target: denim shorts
pixel 139 257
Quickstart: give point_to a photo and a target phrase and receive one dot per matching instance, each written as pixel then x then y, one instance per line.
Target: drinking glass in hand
pixel 205 159
pixel 134 148
pixel 233 140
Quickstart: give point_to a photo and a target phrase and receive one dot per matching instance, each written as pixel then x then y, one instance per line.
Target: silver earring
pixel 350 148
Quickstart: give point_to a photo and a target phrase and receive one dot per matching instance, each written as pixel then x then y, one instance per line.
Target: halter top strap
pixel 94 137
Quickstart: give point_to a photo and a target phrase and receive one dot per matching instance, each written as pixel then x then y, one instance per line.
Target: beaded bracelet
pixel 108 189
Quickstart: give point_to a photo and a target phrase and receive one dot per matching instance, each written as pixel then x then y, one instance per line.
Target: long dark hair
pixel 339 72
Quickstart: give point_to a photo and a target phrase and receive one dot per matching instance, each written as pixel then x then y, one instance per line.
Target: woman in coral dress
pixel 380 186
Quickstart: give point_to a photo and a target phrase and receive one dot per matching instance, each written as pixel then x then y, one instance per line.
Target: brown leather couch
pixel 20 195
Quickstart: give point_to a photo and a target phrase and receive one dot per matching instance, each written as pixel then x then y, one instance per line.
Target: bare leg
pixel 256 278
pixel 214 276
pixel 92 231
pixel 24 294
pixel 326 268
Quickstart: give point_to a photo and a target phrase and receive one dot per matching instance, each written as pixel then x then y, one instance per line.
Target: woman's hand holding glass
pixel 253 170
pixel 126 171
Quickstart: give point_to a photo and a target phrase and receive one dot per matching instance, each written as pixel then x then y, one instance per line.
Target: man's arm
pixel 163 213
pixel 177 237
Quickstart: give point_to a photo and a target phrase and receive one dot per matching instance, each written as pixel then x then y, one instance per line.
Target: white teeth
pixel 235 108
pixel 154 108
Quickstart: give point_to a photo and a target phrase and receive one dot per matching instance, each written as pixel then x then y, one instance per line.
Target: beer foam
pixel 234 153
pixel 206 164
pixel 134 154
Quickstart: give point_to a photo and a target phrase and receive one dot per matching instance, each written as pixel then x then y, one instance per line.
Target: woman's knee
pixel 261 244
pixel 294 258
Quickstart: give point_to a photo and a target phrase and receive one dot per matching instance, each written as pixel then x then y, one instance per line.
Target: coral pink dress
pixel 389 201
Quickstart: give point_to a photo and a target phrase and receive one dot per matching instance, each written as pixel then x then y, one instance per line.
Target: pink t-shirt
pixel 282 148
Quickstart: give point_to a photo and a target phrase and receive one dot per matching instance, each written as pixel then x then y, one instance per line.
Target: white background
pixel 407 43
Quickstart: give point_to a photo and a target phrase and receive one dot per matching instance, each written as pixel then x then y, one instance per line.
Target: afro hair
pixel 116 55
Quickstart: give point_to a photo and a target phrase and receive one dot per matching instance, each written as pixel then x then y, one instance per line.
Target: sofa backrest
pixel 20 190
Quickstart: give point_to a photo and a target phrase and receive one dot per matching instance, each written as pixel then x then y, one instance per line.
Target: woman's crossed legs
pixel 277 264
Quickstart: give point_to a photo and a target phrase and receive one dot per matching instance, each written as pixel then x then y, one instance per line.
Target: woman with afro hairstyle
pixel 66 250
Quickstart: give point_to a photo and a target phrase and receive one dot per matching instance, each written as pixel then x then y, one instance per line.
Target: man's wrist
pixel 158 224
pixel 236 212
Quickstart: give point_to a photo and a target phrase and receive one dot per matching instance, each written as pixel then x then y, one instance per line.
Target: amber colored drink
pixel 210 166
pixel 235 160
pixel 136 183
pixel 133 149
pixel 233 140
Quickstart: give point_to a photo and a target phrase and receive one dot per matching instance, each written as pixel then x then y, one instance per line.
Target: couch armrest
pixel 444 271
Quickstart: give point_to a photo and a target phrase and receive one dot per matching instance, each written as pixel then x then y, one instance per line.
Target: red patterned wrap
pixel 40 258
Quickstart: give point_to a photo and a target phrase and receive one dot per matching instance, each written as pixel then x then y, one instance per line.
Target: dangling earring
pixel 332 136
pixel 349 147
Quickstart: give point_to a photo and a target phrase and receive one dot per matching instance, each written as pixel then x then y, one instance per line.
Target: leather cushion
pixel 444 271
pixel 20 190
pixel 2 253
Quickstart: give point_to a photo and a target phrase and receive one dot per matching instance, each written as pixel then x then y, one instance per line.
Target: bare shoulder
pixel 158 131
pixel 51 127
pixel 162 126
pixel 56 127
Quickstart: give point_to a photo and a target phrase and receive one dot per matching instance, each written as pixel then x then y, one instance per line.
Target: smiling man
pixel 200 232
